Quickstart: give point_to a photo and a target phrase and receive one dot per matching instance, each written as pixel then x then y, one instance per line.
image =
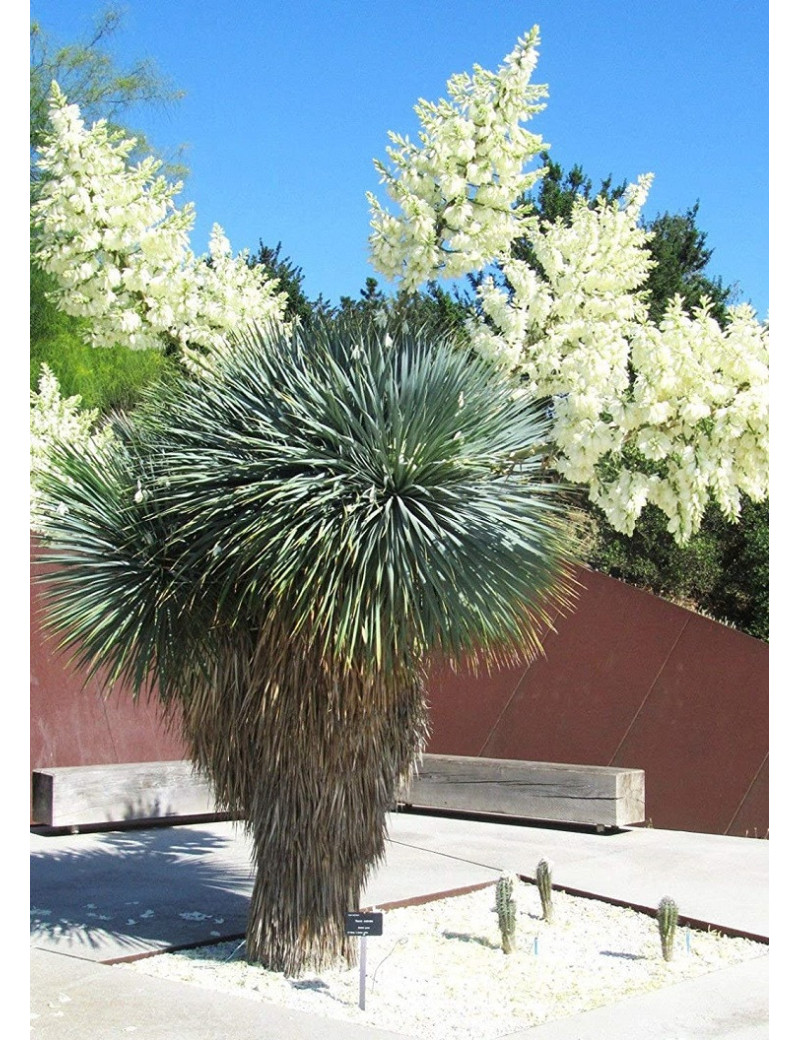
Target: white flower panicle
pixel 118 247
pixel 688 396
pixel 673 414
pixel 457 189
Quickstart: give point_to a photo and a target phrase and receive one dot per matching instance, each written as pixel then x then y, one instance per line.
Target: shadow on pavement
pixel 124 892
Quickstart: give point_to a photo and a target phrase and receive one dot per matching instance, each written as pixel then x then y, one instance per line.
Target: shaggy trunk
pixel 313 777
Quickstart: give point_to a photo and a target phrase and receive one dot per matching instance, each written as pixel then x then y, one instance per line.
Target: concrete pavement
pixel 102 897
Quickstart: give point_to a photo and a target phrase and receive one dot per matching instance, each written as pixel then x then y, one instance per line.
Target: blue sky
pixel 288 102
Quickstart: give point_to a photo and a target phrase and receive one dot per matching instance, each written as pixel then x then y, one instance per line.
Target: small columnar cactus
pixel 667 924
pixel 544 882
pixel 506 908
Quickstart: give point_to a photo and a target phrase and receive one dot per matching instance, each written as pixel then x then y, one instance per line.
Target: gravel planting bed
pixel 438 971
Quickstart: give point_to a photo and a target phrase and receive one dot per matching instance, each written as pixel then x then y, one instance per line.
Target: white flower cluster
pixel 700 410
pixel 672 414
pixel 689 397
pixel 458 188
pixel 57 419
pixel 118 247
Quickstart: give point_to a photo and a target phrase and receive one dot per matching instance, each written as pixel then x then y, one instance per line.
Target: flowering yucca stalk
pixel 458 189
pixel 276 548
pixel 674 414
pixel 110 234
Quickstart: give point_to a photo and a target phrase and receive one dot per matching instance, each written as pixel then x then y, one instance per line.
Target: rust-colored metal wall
pixel 628 680
pixel 73 724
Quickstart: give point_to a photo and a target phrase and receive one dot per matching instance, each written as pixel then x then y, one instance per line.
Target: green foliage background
pixel 108 379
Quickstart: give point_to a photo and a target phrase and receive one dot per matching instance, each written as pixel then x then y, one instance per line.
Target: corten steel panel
pixel 589 701
pixel 576 704
pixel 704 728
pixel 75 724
pixel 465 706
pixel 752 817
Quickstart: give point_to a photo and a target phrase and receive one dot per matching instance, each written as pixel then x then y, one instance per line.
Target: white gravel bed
pixel 438 971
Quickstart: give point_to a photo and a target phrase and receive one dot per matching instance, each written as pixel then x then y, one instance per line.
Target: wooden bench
pixel 548 792
pixel 71 796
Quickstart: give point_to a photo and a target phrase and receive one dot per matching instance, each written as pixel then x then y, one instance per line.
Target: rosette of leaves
pixel 275 547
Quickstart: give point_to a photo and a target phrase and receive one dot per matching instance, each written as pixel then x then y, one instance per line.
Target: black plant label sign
pixel 363 924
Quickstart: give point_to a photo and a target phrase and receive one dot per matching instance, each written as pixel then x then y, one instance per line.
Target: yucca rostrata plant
pixel 544 882
pixel 667 916
pixel 276 547
pixel 506 908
